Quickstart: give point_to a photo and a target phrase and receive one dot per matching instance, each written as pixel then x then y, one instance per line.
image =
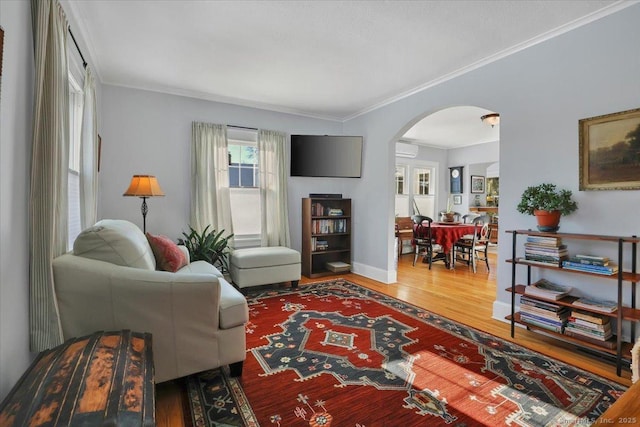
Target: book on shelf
pixel 545 240
pixel 559 318
pixel 594 304
pixel 338 266
pixel 546 289
pixel 599 319
pixel 596 335
pixel 542 305
pixel 589 261
pixel 544 325
pixel 606 327
pixel 593 258
pixel 555 264
pixel 590 268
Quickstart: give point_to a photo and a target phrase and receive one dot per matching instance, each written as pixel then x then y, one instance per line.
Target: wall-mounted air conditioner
pixel 406 150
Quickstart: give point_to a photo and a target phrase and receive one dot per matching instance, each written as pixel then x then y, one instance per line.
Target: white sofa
pixel 110 282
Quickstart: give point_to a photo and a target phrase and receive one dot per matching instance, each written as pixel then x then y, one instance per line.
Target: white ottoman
pixel 263 266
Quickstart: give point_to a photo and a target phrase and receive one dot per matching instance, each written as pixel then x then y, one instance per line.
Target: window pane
pixel 400 178
pixel 234 154
pixel 422 178
pixel 249 155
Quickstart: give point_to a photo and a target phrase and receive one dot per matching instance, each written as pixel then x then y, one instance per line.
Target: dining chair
pixel 424 243
pixel 473 247
pixel 468 218
pixel 404 231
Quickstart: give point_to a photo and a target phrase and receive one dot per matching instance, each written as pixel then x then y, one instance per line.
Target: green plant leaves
pixel 210 246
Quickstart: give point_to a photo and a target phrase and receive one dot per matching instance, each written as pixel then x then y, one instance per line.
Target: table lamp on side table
pixel 144 186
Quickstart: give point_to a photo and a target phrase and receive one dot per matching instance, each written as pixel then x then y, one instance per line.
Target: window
pixel 400 178
pixel 73 184
pixel 244 191
pixel 243 164
pixel 422 181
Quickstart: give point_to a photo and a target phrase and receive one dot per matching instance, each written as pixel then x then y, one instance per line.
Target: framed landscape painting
pixel 610 151
pixel 477 184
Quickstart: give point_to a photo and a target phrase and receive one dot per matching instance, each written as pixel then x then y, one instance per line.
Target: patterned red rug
pixel 337 354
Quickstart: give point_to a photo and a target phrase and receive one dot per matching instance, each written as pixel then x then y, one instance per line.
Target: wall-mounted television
pixel 326 156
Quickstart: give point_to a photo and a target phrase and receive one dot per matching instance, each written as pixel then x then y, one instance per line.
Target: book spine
pixel 540 304
pixel 589 318
pixel 552 322
pixel 543 325
pixel 576 268
pixel 589 325
pixel 591 334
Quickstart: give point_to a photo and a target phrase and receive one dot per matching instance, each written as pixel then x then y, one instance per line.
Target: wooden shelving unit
pixel 616 347
pixel 322 223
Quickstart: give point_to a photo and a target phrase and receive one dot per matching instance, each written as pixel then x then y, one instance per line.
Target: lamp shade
pixel 144 186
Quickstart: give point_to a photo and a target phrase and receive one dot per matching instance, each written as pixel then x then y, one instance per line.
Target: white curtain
pixel 89 154
pixel 210 202
pixel 49 166
pixel 273 188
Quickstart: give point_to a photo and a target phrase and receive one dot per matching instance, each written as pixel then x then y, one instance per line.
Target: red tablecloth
pixel 447 234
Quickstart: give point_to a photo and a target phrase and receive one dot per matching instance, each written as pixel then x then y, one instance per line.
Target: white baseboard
pixel 378 274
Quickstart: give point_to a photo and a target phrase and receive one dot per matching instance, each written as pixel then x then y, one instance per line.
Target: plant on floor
pixel 210 246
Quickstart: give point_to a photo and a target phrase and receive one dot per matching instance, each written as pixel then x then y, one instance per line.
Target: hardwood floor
pixel 457 294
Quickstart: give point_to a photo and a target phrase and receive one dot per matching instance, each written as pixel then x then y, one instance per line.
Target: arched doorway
pixel 450 137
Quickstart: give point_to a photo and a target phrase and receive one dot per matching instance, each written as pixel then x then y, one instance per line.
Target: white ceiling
pixel 328 59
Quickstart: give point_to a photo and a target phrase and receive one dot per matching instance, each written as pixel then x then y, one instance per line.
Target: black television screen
pixel 326 156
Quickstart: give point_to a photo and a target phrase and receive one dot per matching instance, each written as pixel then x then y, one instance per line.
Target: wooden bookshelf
pixel 326 235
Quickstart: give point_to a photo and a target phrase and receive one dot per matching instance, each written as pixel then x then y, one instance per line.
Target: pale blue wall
pixel 541 93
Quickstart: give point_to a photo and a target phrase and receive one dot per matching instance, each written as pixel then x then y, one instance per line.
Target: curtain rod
pixel 242 127
pixel 84 63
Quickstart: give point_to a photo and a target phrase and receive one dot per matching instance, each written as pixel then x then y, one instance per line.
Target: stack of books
pixel 545 250
pixel 545 315
pixel 319 245
pixel 582 324
pixel 591 264
pixel 594 304
pixel 546 289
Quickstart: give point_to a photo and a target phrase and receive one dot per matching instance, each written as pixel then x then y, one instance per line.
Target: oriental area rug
pixel 338 354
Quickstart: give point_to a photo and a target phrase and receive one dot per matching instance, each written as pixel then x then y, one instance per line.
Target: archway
pixel 431 144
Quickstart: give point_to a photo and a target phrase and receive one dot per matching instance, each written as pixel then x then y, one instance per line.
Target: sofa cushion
pixel 115 241
pixel 168 256
pixel 233 306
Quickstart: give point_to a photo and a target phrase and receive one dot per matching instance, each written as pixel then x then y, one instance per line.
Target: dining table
pixel 446 234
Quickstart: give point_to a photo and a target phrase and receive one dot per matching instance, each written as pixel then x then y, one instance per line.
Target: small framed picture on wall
pixel 477 184
pixel 457 199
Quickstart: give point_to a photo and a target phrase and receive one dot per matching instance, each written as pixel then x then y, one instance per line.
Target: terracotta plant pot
pixel 548 221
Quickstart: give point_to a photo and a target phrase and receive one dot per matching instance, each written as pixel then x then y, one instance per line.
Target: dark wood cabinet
pixel 326 236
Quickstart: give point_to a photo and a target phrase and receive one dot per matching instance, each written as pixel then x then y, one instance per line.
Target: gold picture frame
pixel 610 151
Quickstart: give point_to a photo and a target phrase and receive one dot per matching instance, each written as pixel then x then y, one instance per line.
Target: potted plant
pixel 208 246
pixel 448 215
pixel 547 203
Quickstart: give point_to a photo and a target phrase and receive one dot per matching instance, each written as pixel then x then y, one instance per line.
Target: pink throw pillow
pixel 168 255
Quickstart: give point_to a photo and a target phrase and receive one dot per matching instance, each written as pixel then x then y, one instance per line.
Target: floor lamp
pixel 144 186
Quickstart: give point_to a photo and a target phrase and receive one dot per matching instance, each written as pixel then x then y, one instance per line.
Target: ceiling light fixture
pixel 492 119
